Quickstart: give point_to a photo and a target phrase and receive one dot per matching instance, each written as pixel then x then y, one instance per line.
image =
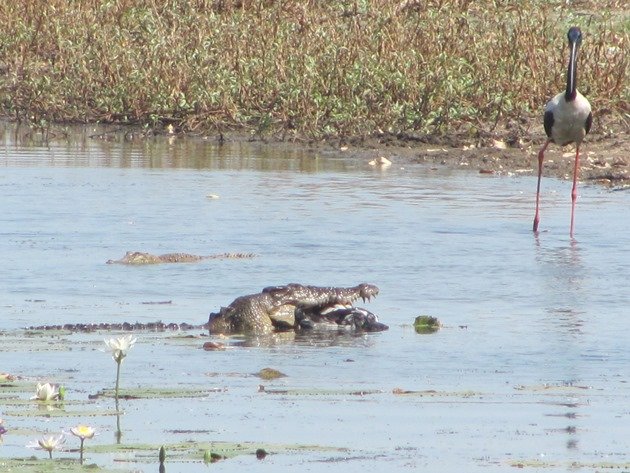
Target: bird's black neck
pixel 571 91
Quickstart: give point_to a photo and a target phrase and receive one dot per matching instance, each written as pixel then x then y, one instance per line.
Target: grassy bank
pixel 305 67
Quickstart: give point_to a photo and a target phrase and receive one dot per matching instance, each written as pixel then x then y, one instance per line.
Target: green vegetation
pixel 305 67
pixel 426 324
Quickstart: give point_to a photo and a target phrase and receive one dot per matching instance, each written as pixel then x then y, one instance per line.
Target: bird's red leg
pixel 541 156
pixel 576 170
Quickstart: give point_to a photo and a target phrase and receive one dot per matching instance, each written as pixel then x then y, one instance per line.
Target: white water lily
pixel 120 346
pixel 46 392
pixel 50 443
pixel 83 432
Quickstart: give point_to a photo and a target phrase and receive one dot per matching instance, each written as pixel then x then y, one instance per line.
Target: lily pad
pixel 60 412
pixel 320 392
pixel 154 393
pixel 9 388
pixel 188 451
pixel 539 464
pixel 434 393
pixel 552 388
pixel 34 465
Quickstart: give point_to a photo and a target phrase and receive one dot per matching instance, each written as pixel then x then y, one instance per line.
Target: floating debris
pixel 213 346
pixel 381 161
pixel 426 324
pixel 270 373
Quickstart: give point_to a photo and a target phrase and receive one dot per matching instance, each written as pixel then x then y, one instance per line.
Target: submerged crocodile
pixel 276 308
pixel 138 257
pixel 297 307
pixel 120 326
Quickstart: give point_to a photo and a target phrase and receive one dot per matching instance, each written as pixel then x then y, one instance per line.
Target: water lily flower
pixel 83 432
pixel 120 346
pixel 50 443
pixel 46 392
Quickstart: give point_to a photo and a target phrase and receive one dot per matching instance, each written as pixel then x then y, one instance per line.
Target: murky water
pixel 532 363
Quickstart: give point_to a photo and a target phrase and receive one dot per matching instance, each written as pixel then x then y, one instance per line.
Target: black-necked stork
pixel 568 119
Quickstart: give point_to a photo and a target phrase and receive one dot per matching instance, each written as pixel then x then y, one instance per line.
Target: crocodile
pixel 158 326
pixel 297 307
pixel 138 258
pixel 275 309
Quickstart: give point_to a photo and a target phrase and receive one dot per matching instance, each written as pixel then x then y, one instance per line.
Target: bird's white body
pixel 568 118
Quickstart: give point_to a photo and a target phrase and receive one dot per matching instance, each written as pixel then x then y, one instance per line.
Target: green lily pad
pixel 197 451
pixel 434 393
pixel 320 392
pixel 552 388
pixel 10 388
pixel 60 412
pixel 154 393
pixel 63 465
pixel 539 464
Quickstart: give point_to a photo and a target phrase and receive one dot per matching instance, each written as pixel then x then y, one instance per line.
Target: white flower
pixel 46 392
pixel 120 346
pixel 83 431
pixel 50 443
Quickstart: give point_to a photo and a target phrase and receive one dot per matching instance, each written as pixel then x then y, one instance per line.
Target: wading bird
pixel 567 120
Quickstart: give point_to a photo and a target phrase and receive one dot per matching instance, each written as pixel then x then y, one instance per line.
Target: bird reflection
pixel 563 294
pixel 564 298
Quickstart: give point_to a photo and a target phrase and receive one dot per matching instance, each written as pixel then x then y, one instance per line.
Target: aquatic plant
pixel 212 457
pixel 47 392
pixel 83 432
pixel 49 443
pixel 162 458
pixel 119 348
pixel 426 324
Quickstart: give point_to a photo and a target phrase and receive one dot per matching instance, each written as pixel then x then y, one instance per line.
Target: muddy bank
pixel 604 158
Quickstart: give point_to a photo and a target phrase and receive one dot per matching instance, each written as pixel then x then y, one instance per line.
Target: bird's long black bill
pixel 572 73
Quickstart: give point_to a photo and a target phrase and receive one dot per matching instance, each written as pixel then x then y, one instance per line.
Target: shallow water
pixel 532 363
